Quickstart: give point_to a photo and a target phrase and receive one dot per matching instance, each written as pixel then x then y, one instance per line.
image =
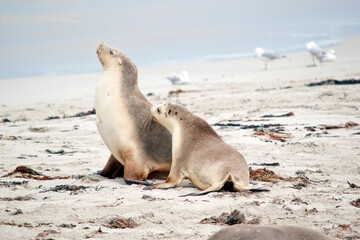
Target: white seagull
pixel 179 79
pixel 266 56
pixel 328 56
pixel 319 54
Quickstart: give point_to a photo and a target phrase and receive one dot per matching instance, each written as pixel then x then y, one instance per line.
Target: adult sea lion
pixel 199 154
pixel 259 232
pixel 138 145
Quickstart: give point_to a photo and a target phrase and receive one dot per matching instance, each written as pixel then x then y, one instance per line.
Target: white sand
pixel 220 91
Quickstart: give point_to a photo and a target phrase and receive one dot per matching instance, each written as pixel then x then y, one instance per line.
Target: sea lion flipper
pixel 259 190
pixel 129 182
pixel 113 168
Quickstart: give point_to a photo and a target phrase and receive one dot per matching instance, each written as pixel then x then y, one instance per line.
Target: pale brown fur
pixel 138 145
pixel 259 232
pixel 198 153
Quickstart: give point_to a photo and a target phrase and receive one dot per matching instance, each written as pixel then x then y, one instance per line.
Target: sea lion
pixel 199 154
pixel 258 232
pixel 137 144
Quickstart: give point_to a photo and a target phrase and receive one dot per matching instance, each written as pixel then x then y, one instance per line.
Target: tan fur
pixel 199 154
pixel 261 232
pixel 140 145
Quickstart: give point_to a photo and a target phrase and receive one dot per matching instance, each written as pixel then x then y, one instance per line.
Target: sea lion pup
pixel 137 144
pixel 258 232
pixel 199 154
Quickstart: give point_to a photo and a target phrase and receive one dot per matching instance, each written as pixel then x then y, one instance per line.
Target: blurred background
pixel 41 37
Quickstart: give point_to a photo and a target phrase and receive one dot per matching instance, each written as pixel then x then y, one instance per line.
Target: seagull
pixel 328 56
pixel 319 54
pixel 179 79
pixel 266 56
pixel 314 50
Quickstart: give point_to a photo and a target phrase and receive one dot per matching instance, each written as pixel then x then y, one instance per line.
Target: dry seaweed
pixel 28 173
pixel 352 185
pixel 62 188
pixel 235 217
pixel 355 203
pixel 79 114
pixel 12 183
pixel 242 126
pixel 122 223
pixel 274 134
pixel 266 175
pixel 349 124
pixel 289 114
pixel 334 82
pixel 273 164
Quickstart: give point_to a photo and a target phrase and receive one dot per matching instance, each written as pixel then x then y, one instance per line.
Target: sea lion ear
pixel 176 113
pixel 120 62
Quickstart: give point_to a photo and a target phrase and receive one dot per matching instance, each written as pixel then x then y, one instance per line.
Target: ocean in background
pixel 42 37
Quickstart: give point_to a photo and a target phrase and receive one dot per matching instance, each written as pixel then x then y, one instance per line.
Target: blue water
pixel 59 37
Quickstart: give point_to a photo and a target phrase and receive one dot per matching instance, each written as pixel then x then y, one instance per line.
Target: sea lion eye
pixel 111 52
pixel 158 110
pixel 169 112
pixel 175 113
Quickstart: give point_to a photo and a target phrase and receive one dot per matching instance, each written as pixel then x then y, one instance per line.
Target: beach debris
pixel 274 134
pixel 355 203
pixel 242 126
pixel 79 114
pixel 235 217
pixel 289 114
pixel 8 138
pixel 273 164
pixel 13 183
pixel 334 82
pixel 38 129
pixel 150 198
pixel 349 124
pixel 179 78
pixel 177 91
pixel 60 152
pixel 17 212
pixel 28 173
pixel 311 211
pixel 82 114
pixel 4 120
pixel 24 156
pixel 20 198
pixel 65 225
pixel 122 223
pixel 353 185
pixel 92 234
pixel 46 233
pixel 298 201
pixel 73 189
pixel 310 129
pixel 266 175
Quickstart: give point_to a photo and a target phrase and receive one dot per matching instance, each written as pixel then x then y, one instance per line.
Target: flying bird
pixel 266 56
pixel 179 79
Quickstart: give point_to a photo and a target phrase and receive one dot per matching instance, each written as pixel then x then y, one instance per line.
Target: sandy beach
pixel 317 149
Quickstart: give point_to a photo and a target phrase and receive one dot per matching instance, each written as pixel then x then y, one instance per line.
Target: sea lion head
pixel 112 59
pixel 168 114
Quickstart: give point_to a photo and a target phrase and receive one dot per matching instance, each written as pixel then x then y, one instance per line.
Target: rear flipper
pixel 259 190
pixel 232 186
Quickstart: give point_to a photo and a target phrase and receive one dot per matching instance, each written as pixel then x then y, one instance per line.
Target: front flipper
pixel 113 168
